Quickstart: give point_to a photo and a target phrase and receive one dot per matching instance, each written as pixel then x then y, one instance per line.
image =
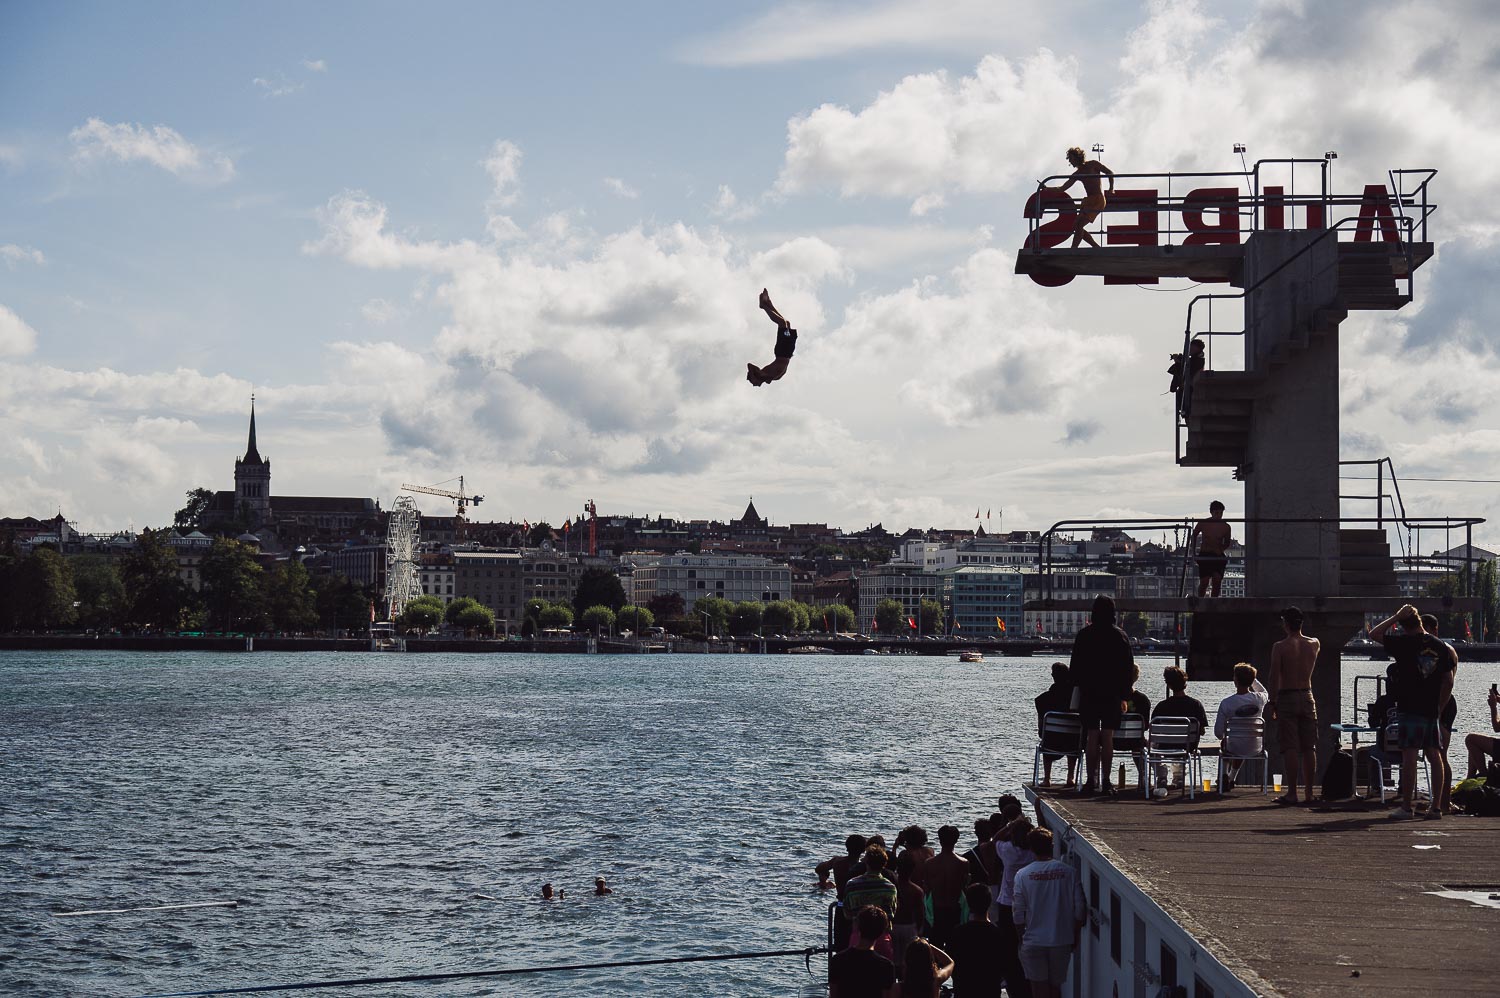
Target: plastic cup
pixel 1208 783
pixel 1276 782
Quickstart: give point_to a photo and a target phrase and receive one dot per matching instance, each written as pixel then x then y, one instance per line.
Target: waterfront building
pixel 1070 586
pixel 976 597
pixel 190 549
pixel 737 578
pixel 494 579
pixel 361 563
pixel 436 574
pixel 901 581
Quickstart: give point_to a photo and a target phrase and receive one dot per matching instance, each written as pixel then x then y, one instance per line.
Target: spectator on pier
pixel 1048 910
pixel 1101 668
pixel 1295 712
pixel 978 948
pixel 982 855
pixel 1424 682
pixel 839 868
pixel 860 972
pixel 924 970
pixel 1446 719
pixel 911 905
pixel 1140 705
pixel 947 876
pixel 914 839
pixel 1480 744
pixel 1016 854
pixel 872 886
pixel 1179 704
pixel 1057 698
pixel 1248 700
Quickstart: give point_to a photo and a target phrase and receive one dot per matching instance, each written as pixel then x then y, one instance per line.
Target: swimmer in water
pixel 786 342
pixel 547 894
pixel 599 887
pixel 1086 172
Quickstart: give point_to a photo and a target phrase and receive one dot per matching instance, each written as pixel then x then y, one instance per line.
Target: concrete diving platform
pixel 1236 896
pixel 1270 606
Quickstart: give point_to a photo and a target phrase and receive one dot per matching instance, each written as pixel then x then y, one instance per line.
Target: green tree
pixel 779 617
pixel 746 617
pixel 832 617
pixel 718 610
pixel 890 618
pixel 931 617
pixel 156 597
pixel 421 614
pixel 475 617
pixel 1487 588
pixel 667 605
pixel 539 532
pixel 456 608
pixel 44 591
pixel 190 516
pixel 290 599
pixel 598 587
pixel 599 619
pixel 1135 624
pixel 341 604
pixel 232 591
pixel 99 591
pixel 557 615
pixel 1450 625
pixel 635 618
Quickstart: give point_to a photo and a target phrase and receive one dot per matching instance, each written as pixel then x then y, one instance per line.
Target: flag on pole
pixel 566 525
pixel 1039 626
pixel 372 611
pixel 987 513
pixel 1468 634
pixel 1000 624
pixel 912 622
pixel 957 625
pixel 976 512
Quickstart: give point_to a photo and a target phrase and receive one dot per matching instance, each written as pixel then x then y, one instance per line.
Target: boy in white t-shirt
pixel 1048 909
pixel 1248 701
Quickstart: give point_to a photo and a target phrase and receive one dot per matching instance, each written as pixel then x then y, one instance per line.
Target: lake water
pixel 356 805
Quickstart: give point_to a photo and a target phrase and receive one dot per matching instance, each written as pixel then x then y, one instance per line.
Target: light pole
pixel 707 621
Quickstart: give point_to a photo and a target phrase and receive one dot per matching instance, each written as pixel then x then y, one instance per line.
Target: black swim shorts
pixel 786 342
pixel 1212 564
pixel 1096 714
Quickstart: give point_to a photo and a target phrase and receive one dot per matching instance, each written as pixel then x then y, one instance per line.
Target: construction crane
pixel 593 513
pixel 460 499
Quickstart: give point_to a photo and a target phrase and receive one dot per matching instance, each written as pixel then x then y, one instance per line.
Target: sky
pixel 523 243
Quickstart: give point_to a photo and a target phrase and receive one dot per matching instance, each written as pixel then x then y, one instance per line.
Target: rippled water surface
pixel 358 806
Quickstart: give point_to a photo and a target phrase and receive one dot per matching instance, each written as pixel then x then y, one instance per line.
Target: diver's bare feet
pixel 765 300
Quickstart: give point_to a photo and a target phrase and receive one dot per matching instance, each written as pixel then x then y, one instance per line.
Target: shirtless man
pixel 1087 173
pixel 786 343
pixel 1213 544
pixel 947 874
pixel 1293 709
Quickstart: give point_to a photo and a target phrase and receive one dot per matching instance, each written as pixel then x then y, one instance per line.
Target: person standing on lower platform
pixel 1423 675
pixel 861 972
pixel 1103 669
pixel 1294 710
pixel 1049 912
pixel 1446 719
pixel 978 949
pixel 1214 538
pixel 947 874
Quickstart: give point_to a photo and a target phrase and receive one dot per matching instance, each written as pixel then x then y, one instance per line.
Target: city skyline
pixel 525 247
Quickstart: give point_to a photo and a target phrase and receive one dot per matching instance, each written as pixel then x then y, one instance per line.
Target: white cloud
pixel 927 203
pixel 378 311
pixel 315 65
pixel 16 337
pixel 728 207
pixel 797 31
pixel 503 164
pixel 13 254
pixel 11 157
pixel 160 146
pixel 621 188
pixel 278 87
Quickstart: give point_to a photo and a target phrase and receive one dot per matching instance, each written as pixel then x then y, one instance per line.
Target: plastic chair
pixel 1390 763
pixel 1248 735
pixel 1130 738
pixel 1062 735
pixel 1170 740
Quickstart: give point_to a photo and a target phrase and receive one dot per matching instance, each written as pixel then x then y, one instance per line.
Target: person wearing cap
pixel 1294 710
pixel 600 888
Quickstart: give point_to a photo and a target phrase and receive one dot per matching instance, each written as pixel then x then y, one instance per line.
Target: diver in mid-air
pixel 786 343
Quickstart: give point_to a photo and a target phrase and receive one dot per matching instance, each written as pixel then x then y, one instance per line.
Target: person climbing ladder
pixel 786 343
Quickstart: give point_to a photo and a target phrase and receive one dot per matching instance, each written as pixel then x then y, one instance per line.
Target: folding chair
pixel 1390 764
pixel 1130 738
pixel 1062 735
pixel 1170 741
pixel 1244 741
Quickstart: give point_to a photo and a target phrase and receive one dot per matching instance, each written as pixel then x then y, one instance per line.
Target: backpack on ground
pixel 1338 777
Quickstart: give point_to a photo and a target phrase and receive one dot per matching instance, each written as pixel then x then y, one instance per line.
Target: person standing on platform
pixel 1049 913
pixel 1087 172
pixel 977 947
pixel 1214 539
pixel 1248 700
pixel 1294 710
pixel 1102 668
pixel 947 874
pixel 871 886
pixel 1446 719
pixel 1423 675
pixel 861 972
pixel 838 869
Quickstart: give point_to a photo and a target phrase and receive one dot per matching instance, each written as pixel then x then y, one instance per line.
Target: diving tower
pixel 1266 403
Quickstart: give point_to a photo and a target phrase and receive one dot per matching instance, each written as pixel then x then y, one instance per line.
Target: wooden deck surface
pixel 1329 900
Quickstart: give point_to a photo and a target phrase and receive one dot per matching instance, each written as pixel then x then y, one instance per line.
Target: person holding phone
pixel 1481 745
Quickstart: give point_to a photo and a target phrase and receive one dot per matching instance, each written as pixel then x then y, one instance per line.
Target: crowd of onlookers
pixel 1004 913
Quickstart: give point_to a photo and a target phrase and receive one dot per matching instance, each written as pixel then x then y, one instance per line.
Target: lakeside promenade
pixel 1330 900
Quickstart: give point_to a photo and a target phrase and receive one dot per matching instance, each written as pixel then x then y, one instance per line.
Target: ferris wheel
pixel 401 585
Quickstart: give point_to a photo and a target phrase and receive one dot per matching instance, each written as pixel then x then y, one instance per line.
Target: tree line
pixel 142 591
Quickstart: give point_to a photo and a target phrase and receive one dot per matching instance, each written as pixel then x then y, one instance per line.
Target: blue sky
pixel 523 242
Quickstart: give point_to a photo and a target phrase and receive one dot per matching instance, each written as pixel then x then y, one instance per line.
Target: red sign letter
pixel 1225 201
pixel 1050 234
pixel 1375 207
pixel 1141 232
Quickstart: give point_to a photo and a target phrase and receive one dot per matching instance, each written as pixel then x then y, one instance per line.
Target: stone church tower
pixel 252 480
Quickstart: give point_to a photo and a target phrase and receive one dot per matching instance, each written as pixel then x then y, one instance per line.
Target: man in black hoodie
pixel 1103 669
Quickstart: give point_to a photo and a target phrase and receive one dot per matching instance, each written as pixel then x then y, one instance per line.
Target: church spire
pixel 251 453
